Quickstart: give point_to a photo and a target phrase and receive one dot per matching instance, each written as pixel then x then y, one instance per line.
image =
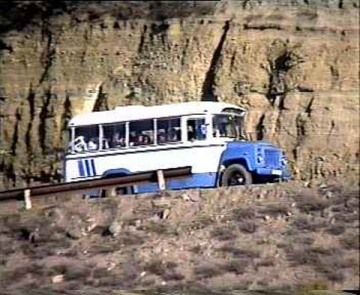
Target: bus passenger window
pixel 86 138
pixel 114 136
pixel 196 129
pixel 141 133
pixel 168 130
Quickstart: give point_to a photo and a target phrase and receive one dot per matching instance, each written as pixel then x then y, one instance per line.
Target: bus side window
pixel 114 136
pixel 168 130
pixel 141 133
pixel 87 138
pixel 196 129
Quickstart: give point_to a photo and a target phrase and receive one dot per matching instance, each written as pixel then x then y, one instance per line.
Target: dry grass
pixel 242 214
pixel 71 271
pixel 307 223
pixel 248 226
pixel 235 252
pixel 208 270
pixel 223 233
pixel 237 266
pixel 310 203
pixel 336 229
pixel 350 241
pixel 219 241
pixel 159 267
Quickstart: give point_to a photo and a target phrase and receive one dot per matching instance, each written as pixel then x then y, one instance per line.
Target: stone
pixel 165 214
pixel 57 279
pixel 115 228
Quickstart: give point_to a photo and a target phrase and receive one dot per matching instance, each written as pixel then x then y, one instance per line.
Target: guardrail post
pixel 27 199
pixel 161 179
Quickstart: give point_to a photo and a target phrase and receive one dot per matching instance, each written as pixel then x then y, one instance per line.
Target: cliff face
pixel 295 68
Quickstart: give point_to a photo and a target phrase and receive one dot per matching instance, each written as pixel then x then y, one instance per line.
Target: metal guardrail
pixel 136 178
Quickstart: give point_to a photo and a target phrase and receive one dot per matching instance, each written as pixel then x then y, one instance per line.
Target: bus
pixel 208 136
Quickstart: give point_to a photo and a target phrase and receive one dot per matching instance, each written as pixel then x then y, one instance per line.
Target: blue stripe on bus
pixel 93 166
pixel 81 168
pixel 87 166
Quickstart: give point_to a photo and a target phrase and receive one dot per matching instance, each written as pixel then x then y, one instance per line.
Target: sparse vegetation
pixel 223 233
pixel 214 243
pixel 208 270
pixel 237 266
pixel 350 241
pixel 159 267
pixel 248 226
pixel 309 203
pixel 238 252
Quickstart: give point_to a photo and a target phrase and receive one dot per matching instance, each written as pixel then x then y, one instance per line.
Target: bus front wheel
pixel 236 174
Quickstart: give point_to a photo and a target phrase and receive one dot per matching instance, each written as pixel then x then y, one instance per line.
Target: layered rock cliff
pixel 294 67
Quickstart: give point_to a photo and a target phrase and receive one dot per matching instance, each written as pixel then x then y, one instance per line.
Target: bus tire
pixel 236 174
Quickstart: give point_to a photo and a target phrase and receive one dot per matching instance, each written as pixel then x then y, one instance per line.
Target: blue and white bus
pixel 208 136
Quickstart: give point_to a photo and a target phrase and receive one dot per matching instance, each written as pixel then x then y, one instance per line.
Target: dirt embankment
pixel 276 237
pixel 294 66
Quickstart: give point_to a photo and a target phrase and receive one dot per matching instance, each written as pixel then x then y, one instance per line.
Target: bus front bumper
pixel 283 173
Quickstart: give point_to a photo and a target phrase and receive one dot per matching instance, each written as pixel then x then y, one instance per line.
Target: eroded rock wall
pixel 296 69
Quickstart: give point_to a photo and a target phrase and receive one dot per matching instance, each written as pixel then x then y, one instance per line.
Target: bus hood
pixel 253 143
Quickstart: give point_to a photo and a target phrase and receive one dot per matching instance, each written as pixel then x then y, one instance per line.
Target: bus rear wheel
pixel 236 174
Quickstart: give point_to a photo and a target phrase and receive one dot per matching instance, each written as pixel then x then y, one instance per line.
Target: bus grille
pixel 272 158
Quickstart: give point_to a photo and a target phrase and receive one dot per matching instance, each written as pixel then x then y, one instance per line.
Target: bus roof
pixel 140 112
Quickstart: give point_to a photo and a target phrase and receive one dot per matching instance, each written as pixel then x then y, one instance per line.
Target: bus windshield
pixel 228 125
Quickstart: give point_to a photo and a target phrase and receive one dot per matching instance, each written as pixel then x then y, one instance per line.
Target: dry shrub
pixel 274 210
pixel 158 227
pixel 71 271
pixel 237 266
pixel 328 261
pixel 308 223
pixel 241 214
pixel 172 275
pixel 196 249
pixel 310 202
pixel 100 272
pixel 12 276
pixel 350 241
pixel 336 229
pixel 130 239
pixel 344 197
pixel 346 217
pixel 223 233
pixel 248 226
pixel 159 267
pixel 266 262
pixel 103 247
pixel 6 247
pixel 110 280
pixel 208 270
pixel 201 222
pixel 239 253
pixel 301 256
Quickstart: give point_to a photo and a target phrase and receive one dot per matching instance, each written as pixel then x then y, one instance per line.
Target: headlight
pixel 260 159
pixel 284 161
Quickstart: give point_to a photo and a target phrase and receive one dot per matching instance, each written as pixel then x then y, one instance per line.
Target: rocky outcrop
pixel 295 68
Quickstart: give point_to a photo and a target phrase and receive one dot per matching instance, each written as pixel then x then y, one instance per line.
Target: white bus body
pixel 197 134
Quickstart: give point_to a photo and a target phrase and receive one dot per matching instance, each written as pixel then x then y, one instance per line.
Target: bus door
pixel 196 128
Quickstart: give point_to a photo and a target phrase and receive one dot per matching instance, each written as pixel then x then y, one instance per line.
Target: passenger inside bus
pixel 196 129
pixel 118 141
pixel 161 137
pixel 93 144
pixel 173 135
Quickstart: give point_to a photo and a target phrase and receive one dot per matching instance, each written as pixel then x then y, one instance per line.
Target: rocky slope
pixel 294 67
pixel 284 237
